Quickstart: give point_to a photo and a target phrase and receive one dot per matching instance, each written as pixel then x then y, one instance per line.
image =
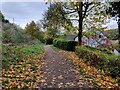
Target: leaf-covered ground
pixel 57 69
pixel 60 73
pixel 94 75
pixel 24 74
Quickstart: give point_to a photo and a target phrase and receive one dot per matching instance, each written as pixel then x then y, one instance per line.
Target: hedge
pixel 101 59
pixel 65 44
pixel 49 41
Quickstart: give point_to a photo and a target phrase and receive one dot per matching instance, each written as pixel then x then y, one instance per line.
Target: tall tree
pixel 114 11
pixel 33 30
pixel 2 18
pixel 79 11
pixel 83 10
pixel 55 18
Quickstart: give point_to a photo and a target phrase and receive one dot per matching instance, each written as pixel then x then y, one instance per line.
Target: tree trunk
pixel 80 23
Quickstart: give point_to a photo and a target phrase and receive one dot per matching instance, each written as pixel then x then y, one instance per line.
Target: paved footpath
pixel 59 72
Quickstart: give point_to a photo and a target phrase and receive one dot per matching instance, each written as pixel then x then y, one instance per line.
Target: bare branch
pixel 92 7
pixel 86 8
pixel 87 4
pixel 70 12
pixel 67 7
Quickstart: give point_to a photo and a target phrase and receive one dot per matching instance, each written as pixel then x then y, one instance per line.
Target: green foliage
pixel 5 82
pixel 56 18
pixel 51 32
pixel 105 50
pixel 11 33
pixel 62 37
pixel 55 48
pixel 89 14
pixel 2 18
pixel 101 59
pixel 10 56
pixel 114 11
pixel 20 37
pixel 118 47
pixel 32 50
pixel 64 44
pixel 33 30
pixel 49 41
pixel 13 54
pixel 112 34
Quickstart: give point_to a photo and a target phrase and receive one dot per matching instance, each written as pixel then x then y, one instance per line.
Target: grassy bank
pixel 21 65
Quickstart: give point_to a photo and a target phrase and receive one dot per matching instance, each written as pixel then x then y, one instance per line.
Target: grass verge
pixel 23 73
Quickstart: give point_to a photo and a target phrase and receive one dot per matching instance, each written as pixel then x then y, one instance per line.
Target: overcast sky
pixel 25 12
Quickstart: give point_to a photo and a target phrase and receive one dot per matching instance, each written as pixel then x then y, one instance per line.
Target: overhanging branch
pixel 69 12
pixel 92 7
pixel 86 8
pixel 67 7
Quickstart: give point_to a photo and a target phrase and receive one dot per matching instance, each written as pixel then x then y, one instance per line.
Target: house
pixel 95 40
pixel 99 40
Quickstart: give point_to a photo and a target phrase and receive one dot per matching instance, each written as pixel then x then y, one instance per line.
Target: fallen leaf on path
pixel 60 77
pixel 43 80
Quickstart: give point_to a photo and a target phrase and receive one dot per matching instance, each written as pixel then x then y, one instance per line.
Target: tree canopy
pixel 2 18
pixel 114 11
pixel 78 11
pixel 55 18
pixel 34 31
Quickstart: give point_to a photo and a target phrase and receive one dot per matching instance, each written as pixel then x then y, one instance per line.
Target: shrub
pixel 49 41
pixel 55 42
pixel 107 51
pixel 101 59
pixel 14 54
pixel 64 44
pixel 10 56
pixel 118 47
pixel 114 67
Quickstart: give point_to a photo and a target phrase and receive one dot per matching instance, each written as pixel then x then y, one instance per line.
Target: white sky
pixel 113 24
pixel 25 12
